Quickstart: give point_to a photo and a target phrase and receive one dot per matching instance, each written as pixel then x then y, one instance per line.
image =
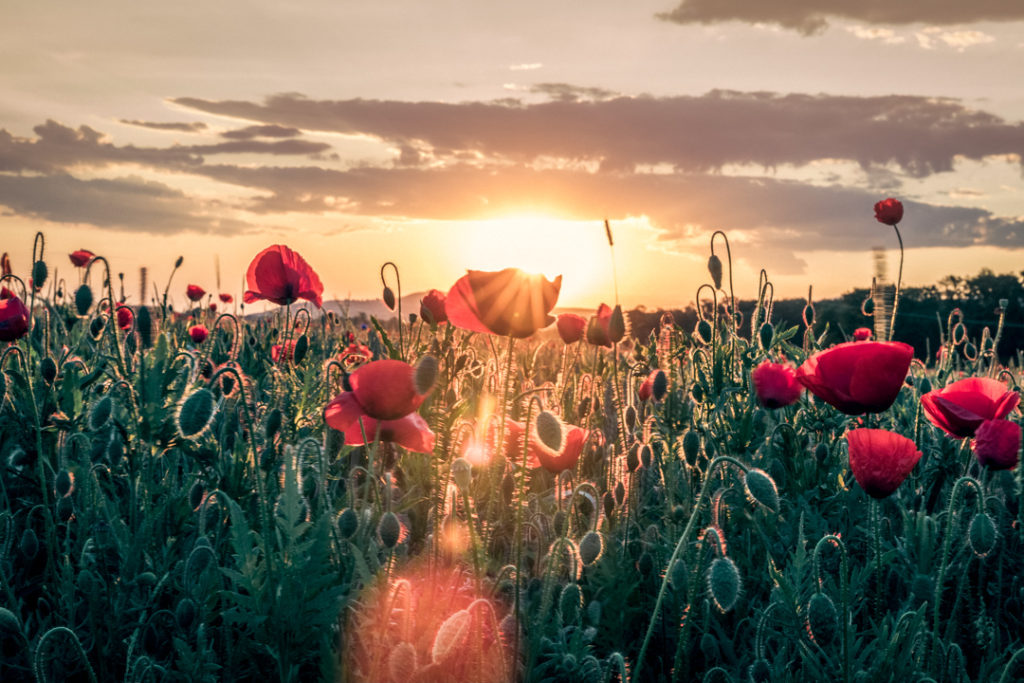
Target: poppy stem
pixel 899 280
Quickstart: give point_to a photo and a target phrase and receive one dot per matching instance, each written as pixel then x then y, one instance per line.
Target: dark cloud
pixel 189 127
pixel 920 135
pixel 265 131
pixel 812 16
pixel 129 204
pixel 260 147
pixel 566 92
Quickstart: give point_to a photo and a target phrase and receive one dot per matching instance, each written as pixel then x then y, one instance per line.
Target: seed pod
pixel 100 413
pixel 196 413
pixel 549 429
pixel 83 300
pixel 389 530
pixel 691 446
pixel 715 269
pixel 48 370
pixel 425 374
pixel 982 535
pixel 570 604
pixel 822 619
pixel 402 663
pixel 724 583
pixel 766 334
pixel 462 473
pixel 660 385
pixel 591 547
pixel 389 298
pixel 451 636
pixel 761 488
pixel 39 274
pixel 348 522
pixel 64 483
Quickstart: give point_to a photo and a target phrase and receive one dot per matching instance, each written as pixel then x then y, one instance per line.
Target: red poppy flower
pixel 285 352
pixel 14 317
pixel 862 334
pixel 355 354
pixel 559 461
pixel 506 302
pixel 280 275
pixel 597 327
pixel 384 399
pixel 124 316
pixel 960 408
pixel 880 460
pixel 889 211
pixel 997 444
pixel 571 327
pixel 858 377
pixel 432 307
pixel 198 333
pixel 225 298
pixel 195 292
pixel 81 258
pixel 775 385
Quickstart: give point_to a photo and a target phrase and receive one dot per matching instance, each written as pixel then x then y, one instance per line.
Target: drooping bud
pixel 389 530
pixel 766 335
pixel 715 268
pixel 402 663
pixel 633 458
pixel 196 493
pixel 100 413
pixel 348 522
pixel 39 274
pixel 425 374
pixel 570 603
pixel 616 325
pixel 64 483
pixel 691 446
pixel 822 619
pixel 96 327
pixel 549 430
pixel 451 636
pixel 591 547
pixel 660 386
pixel 982 535
pixel 630 416
pixel 273 423
pixel 646 455
pixel 761 489
pixel 144 326
pixel 560 523
pixel 759 671
pixel 677 574
pixel 462 473
pixel 389 298
pixel 196 413
pixel 703 332
pixel 301 349
pixel 48 370
pixel 83 300
pixel 724 583
pixel 185 613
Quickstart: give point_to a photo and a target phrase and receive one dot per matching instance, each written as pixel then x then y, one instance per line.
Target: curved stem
pixel 899 280
pixel 398 298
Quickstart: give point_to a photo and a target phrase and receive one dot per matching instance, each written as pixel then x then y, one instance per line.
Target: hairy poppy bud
pixel 761 489
pixel 659 387
pixel 425 374
pixel 591 547
pixel 348 522
pixel 691 446
pixel 451 636
pixel 759 671
pixel 822 619
pixel 703 332
pixel 48 370
pixel 273 423
pixel 64 483
pixel 715 268
pixel 83 299
pixel 196 494
pixel 677 574
pixel 389 298
pixel 389 530
pixel 570 603
pixel 616 325
pixel 766 335
pixel 144 326
pixel 196 413
pixel 982 535
pixel 402 663
pixel 39 274
pixel 462 473
pixel 724 583
pixel 300 349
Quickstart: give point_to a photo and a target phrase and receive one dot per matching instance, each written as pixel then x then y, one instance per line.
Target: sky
pixel 452 135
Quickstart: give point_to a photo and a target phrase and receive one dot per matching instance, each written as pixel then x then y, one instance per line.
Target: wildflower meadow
pixel 485 489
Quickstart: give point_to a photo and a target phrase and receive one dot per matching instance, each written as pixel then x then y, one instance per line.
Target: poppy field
pixel 484 489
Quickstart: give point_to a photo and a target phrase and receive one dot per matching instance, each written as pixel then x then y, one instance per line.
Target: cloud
pixel 884 35
pixel 920 135
pixel 260 147
pixel 184 127
pixel 566 92
pixel 129 204
pixel 812 16
pixel 265 131
pixel 525 67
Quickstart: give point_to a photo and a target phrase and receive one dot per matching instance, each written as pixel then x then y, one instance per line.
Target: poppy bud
pixel 64 483
pixel 659 387
pixel 96 327
pixel 691 446
pixel 48 370
pixel 29 544
pixel 425 374
pixel 759 671
pixel 560 522
pixel 616 325
pixel 646 455
pixel 144 326
pixel 9 626
pixel 65 509
pixel 196 413
pixel 608 500
pixel 982 535
pixel 389 298
pixel 645 564
pixel 570 603
pixel 715 268
pixel 703 332
pixel 348 522
pixel 633 458
pixel 389 530
pixel 273 423
pixel 677 574
pixel 766 335
pixel 591 547
pixel 83 300
pixel 822 619
pixel 300 349
pixel 462 473
pixel 620 493
pixel 451 636
pixel 402 663
pixel 549 430
pixel 179 261
pixel 761 489
pixel 724 583
pixel 583 408
pixel 821 453
pixel 196 493
pixel 39 274
pixel 630 417
pixel 185 613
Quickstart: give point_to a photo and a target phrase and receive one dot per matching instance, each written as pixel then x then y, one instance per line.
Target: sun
pixel 576 250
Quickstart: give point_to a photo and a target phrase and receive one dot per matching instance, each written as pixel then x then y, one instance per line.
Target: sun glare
pixel 576 250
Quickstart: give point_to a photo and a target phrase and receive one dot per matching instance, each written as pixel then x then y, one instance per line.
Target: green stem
pixel 899 280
